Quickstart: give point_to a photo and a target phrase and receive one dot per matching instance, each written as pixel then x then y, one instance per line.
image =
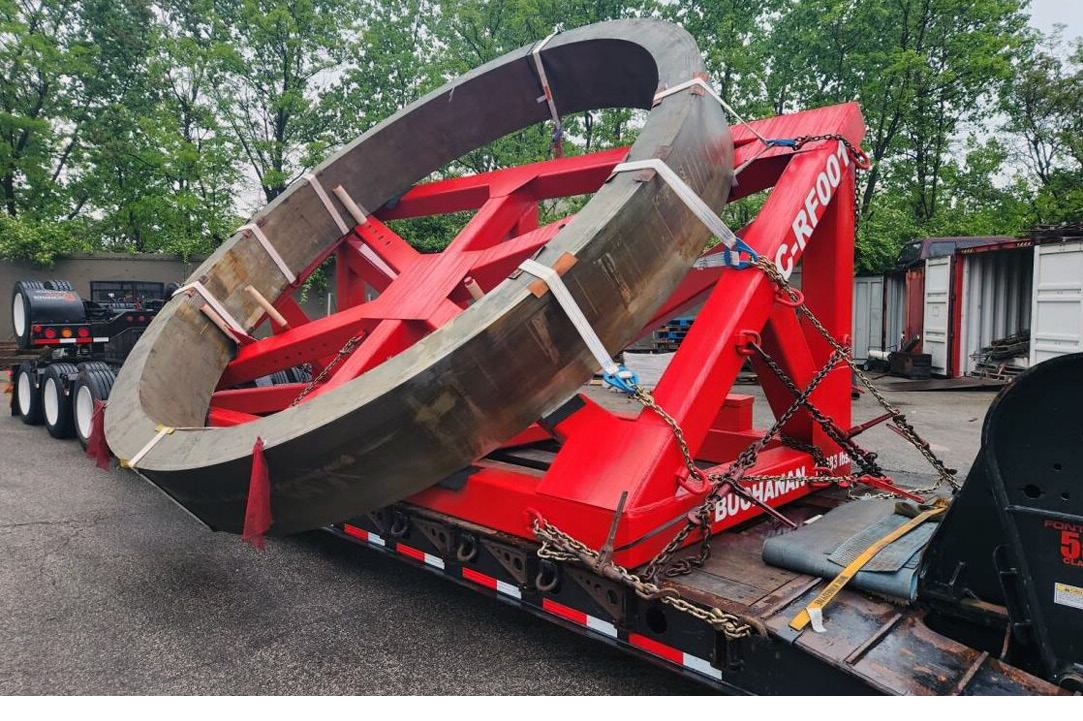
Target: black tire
pixel 91 384
pixel 56 399
pixel 27 394
pixel 59 285
pixel 20 311
pixel 94 366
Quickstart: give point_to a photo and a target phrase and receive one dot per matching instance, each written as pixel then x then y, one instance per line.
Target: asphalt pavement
pixel 106 587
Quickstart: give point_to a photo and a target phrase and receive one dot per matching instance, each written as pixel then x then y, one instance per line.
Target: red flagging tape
pixel 96 445
pixel 257 516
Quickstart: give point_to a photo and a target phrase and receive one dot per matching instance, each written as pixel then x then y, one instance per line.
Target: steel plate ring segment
pixel 575 314
pixel 494 365
pixel 695 203
pixel 213 302
pixel 267 246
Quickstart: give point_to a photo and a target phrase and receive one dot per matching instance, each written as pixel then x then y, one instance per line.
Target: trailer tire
pixel 55 402
pixel 27 394
pixel 95 383
pixel 57 284
pixel 94 366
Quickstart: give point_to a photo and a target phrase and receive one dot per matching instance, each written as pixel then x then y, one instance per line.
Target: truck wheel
pixel 91 384
pixel 94 366
pixel 55 401
pixel 59 285
pixel 27 395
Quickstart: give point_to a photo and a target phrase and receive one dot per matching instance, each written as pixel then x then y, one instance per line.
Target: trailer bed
pixel 871 645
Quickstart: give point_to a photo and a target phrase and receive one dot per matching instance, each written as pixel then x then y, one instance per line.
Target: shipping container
pixel 868 316
pixel 992 303
pixel 1057 304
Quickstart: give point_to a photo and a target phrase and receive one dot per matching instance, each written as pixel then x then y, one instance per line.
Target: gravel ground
pixel 107 588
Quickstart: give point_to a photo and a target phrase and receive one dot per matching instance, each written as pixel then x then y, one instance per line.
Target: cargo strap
pixel 214 304
pixel 615 375
pixel 700 81
pixel 814 611
pixel 547 92
pixel 256 231
pixel 326 199
pixel 732 245
pixel 163 431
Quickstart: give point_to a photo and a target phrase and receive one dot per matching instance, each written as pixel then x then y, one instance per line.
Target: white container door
pixel 937 304
pixel 1057 311
pixel 868 315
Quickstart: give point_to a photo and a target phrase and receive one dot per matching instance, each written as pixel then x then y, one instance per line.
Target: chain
pixel 559 546
pixel 946 475
pixel 866 459
pixel 344 351
pixel 859 156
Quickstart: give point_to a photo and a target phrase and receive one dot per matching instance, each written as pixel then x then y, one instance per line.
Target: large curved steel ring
pixel 492 370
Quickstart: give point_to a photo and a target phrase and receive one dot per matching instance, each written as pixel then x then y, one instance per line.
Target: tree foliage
pixel 155 125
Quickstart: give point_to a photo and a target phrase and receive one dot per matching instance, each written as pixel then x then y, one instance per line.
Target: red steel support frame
pixel 808 216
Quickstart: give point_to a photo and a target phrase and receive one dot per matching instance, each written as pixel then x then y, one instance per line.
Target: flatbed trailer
pixel 442 419
pixel 872 645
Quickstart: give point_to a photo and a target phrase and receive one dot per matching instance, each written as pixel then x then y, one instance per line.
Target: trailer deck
pixel 871 645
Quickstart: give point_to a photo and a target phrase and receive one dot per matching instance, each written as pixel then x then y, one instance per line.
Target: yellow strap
pixel 802 619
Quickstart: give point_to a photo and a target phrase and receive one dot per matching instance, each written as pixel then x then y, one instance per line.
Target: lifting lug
pixel 747 341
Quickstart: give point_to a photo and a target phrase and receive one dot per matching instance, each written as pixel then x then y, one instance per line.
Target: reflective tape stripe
pixel 494 583
pixel 576 616
pixel 688 196
pixel 214 304
pixel 564 297
pixel 681 658
pixel 101 340
pixel 327 202
pixel 368 536
pixel 258 233
pixel 419 555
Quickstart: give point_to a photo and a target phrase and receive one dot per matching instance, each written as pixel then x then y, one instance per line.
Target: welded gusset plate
pixel 493 369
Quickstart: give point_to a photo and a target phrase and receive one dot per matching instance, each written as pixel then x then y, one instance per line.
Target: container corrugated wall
pixel 996 300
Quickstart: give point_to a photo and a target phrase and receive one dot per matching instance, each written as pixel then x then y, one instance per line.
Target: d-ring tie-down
pixel 702 83
pixel 258 233
pixel 560 291
pixel 214 304
pixel 547 92
pixel 163 431
pixel 311 179
pixel 695 203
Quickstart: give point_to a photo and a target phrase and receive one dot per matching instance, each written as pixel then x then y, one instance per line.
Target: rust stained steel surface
pixel 493 369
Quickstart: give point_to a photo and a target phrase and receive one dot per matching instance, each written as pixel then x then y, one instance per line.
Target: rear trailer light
pixel 83 332
pixel 66 333
pixel 50 332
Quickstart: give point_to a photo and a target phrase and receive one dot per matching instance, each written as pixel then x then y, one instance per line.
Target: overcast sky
pixel 1044 14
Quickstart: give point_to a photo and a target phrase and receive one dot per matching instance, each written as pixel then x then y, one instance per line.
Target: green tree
pixel 1044 108
pixel 274 55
